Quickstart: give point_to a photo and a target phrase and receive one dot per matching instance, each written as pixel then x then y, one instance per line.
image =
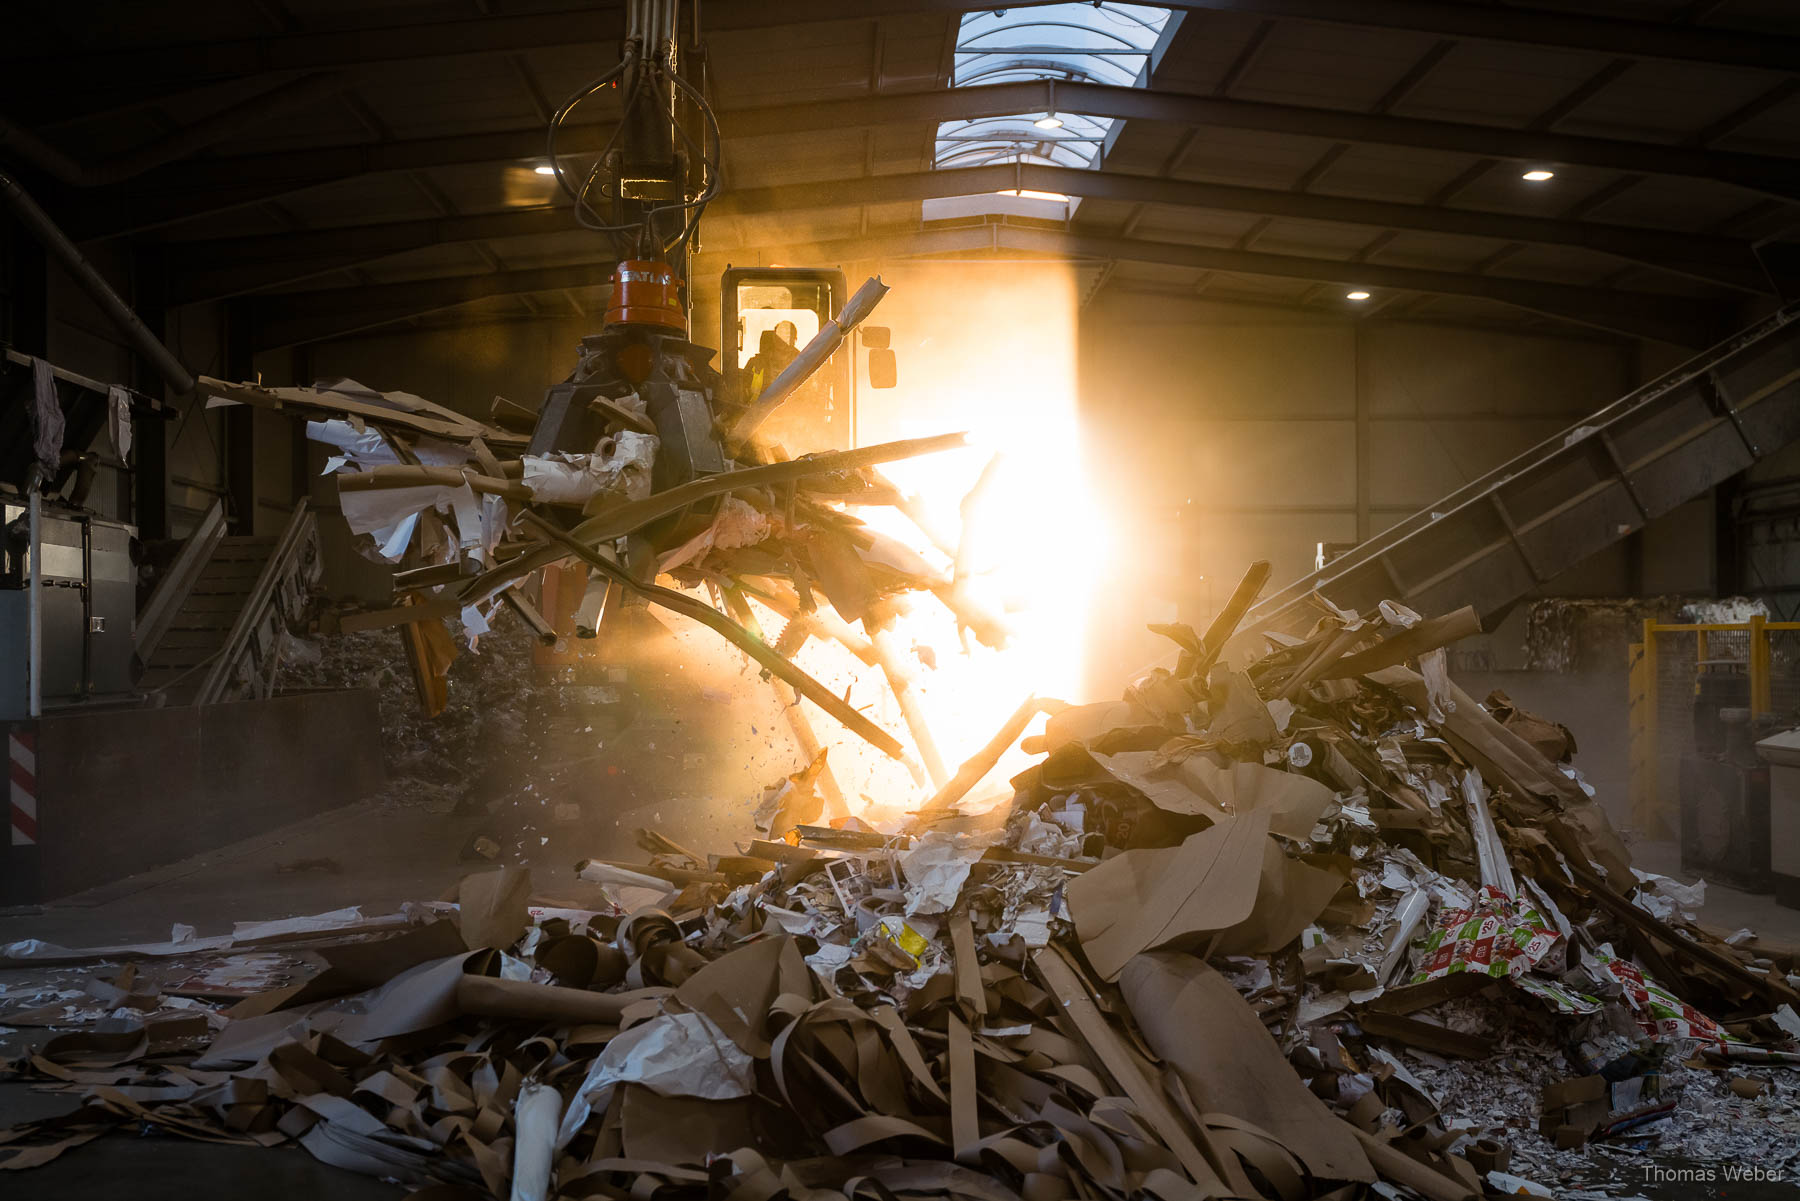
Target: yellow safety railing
pixel 1648 809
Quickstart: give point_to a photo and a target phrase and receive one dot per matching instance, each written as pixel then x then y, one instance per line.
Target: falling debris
pixel 422 487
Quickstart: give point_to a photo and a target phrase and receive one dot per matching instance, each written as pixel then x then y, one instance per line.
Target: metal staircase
pixel 214 629
pixel 1501 536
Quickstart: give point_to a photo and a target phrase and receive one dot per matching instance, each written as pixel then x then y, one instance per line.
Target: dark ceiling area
pixel 335 167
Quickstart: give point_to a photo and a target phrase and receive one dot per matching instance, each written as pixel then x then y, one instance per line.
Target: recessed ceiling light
pixel 1359 294
pixel 1050 122
pixel 546 170
pixel 1539 175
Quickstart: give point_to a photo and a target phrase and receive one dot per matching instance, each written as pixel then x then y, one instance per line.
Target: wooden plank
pixel 629 517
pixel 680 876
pixel 1226 623
pixel 434 575
pixel 1008 855
pixel 517 601
pixel 429 653
pixel 827 838
pixel 710 617
pixel 326 404
pixel 983 761
pixel 1770 986
pixel 1396 648
pixel 781 852
pixel 409 476
pixel 442 605
pixel 1330 649
pixel 636 514
pixel 614 411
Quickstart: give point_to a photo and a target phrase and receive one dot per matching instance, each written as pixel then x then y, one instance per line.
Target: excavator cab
pixel 768 315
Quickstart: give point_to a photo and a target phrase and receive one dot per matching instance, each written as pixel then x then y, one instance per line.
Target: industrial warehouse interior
pixel 699 600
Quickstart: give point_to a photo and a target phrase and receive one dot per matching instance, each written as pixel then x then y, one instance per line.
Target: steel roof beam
pixel 235 265
pixel 288 318
pixel 1717 260
pixel 1767 173
pixel 144 65
pixel 1675 320
pixel 203 186
pixel 149 64
pixel 317 316
pixel 1555 28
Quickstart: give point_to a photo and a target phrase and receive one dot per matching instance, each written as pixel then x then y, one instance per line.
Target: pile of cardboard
pixel 1192 958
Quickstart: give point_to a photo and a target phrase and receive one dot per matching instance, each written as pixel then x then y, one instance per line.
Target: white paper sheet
pixel 675 1054
pixel 936 868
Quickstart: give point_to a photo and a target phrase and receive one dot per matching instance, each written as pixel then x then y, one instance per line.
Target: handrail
pixel 279 564
pixel 178 581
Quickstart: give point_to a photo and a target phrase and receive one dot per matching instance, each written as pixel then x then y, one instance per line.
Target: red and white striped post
pixel 20 882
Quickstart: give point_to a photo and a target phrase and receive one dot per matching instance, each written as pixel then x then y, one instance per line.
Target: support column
pixel 1728 541
pixel 240 422
pixel 1643 714
pixel 1364 403
pixel 1633 546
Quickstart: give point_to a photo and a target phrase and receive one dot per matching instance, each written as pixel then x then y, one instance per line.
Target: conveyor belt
pixel 1517 527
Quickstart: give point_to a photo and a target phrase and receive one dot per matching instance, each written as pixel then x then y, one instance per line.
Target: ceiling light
pixel 546 170
pixel 1051 122
pixel 1359 294
pixel 1539 175
pixel 1031 194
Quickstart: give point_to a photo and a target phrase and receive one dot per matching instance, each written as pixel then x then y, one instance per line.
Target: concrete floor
pixel 578 791
pixel 1725 908
pixel 159 1168
pixel 389 854
pixel 381 855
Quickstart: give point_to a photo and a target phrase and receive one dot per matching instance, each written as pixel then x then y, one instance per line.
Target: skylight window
pixel 1112 44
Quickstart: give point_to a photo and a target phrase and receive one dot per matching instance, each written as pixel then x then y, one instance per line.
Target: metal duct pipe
pixel 198 136
pixel 94 284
